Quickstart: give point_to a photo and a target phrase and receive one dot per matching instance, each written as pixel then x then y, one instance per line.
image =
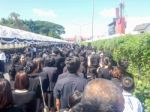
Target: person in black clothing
pixel 33 79
pixel 59 60
pixel 14 67
pixel 34 71
pixel 1 75
pixel 22 61
pixel 52 76
pixel 123 65
pixel 105 71
pixel 51 71
pixel 22 97
pixel 83 70
pixel 6 99
pixel 66 86
pixel 92 62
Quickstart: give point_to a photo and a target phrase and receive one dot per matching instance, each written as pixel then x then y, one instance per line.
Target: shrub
pixel 136 49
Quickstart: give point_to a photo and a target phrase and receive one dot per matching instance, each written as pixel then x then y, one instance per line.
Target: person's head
pixel 56 50
pixel 71 54
pixel 128 84
pixel 101 54
pixel 106 61
pixel 39 64
pixel 30 67
pixel 22 59
pixel 72 64
pixel 93 60
pixel 102 95
pixel 123 64
pixel 74 98
pixel 49 62
pixel 116 73
pixel 21 81
pixel 15 59
pixel 6 99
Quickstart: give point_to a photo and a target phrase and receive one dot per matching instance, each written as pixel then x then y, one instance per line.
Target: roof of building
pixel 141 27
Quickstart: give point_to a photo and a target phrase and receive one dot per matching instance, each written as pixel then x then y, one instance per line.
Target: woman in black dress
pixel 23 98
pixel 34 71
pixel 6 99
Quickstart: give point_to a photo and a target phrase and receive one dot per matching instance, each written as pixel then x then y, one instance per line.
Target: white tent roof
pixel 7 32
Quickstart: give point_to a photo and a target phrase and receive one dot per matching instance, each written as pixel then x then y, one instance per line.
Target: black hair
pixel 127 83
pixel 56 50
pixel 123 64
pixel 30 67
pixel 49 62
pixel 71 54
pixel 94 60
pixel 15 59
pixel 39 64
pixel 106 61
pixel 6 99
pixel 72 64
pixel 21 81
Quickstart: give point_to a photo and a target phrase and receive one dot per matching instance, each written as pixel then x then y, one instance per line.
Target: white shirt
pixel 34 49
pixel 132 104
pixel 2 56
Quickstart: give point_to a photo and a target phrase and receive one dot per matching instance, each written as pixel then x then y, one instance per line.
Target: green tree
pixel 40 27
pixel 3 21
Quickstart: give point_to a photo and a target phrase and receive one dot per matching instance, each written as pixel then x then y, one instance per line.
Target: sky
pixel 76 15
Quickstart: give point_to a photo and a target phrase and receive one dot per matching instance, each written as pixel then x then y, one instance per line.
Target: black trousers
pixel 2 66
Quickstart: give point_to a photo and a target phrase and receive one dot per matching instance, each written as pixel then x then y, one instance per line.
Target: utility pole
pixel 93 21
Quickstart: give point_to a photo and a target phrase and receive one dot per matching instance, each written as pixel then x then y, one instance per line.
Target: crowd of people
pixel 66 78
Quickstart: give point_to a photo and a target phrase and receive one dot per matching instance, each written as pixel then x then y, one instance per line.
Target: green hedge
pixel 135 48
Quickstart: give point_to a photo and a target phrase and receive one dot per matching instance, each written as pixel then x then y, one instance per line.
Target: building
pixel 118 25
pixel 142 28
pixel 112 27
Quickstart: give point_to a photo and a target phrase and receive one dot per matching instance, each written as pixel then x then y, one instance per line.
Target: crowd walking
pixel 66 78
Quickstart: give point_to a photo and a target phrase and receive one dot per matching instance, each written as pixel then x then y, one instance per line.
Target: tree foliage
pixel 40 27
pixel 136 49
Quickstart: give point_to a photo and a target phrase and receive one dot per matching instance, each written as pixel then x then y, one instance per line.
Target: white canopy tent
pixel 11 33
